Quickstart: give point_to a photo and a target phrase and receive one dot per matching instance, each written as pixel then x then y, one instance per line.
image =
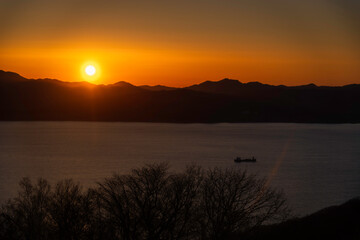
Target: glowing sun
pixel 90 70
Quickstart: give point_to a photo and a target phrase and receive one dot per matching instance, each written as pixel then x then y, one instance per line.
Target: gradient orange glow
pixel 183 43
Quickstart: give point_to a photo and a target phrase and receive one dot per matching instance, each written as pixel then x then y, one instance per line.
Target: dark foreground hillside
pixel 227 100
pixel 149 203
pixel 153 203
pixel 336 222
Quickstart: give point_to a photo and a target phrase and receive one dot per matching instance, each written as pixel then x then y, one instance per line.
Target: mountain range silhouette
pixel 228 100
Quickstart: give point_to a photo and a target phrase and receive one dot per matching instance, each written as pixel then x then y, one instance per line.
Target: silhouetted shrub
pixel 148 203
pixel 70 211
pixel 233 201
pixel 26 216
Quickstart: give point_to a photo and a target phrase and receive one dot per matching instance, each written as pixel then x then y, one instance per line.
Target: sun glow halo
pixel 90 71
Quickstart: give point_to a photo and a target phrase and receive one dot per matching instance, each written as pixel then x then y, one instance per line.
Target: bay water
pixel 316 165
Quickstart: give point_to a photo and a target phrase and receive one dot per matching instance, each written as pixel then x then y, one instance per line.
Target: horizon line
pixel 159 85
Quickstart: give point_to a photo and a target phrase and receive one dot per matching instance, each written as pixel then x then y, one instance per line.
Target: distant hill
pixel 14 78
pixel 229 87
pixel 209 102
pixel 157 88
pixel 9 77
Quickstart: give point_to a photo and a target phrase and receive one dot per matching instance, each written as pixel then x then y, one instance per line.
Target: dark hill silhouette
pixel 14 78
pixel 223 101
pixel 336 222
pixel 230 87
pixel 10 77
pixel 122 84
pixel 157 88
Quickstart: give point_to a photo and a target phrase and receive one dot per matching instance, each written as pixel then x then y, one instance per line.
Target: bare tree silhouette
pixel 149 203
pixel 70 210
pixel 26 216
pixel 234 201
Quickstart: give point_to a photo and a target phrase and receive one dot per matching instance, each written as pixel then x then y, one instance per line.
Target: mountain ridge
pixel 226 100
pixel 8 75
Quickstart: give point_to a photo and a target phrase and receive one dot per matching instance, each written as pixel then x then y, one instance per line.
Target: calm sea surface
pixel 316 165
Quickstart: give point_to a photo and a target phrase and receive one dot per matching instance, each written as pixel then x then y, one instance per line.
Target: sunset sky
pixel 179 43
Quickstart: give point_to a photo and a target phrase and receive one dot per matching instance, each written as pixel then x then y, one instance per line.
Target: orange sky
pixel 184 42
